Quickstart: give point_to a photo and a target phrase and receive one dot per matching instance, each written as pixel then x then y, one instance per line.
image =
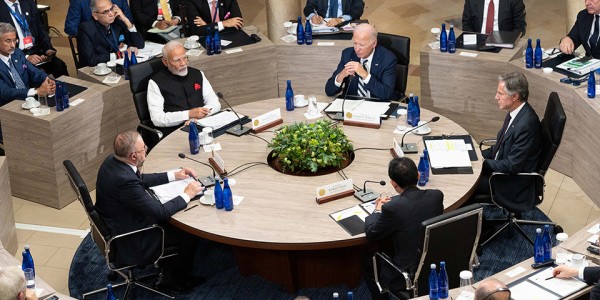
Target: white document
pixel 349 105
pixel 560 286
pixel 168 29
pixel 219 120
pixel 166 192
pixel 447 153
pixel 371 108
pixel 348 212
pixel 594 229
pixel 529 291
pixel 225 43
pixel 469 39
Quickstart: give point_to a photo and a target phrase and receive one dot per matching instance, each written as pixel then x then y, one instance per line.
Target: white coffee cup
pixel 101 68
pixel 209 197
pixel 187 43
pixel 30 102
pixel 577 260
pixel 299 100
pixel 423 129
pixel 208 135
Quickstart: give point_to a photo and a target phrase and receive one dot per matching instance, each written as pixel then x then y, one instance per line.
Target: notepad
pixel 352 219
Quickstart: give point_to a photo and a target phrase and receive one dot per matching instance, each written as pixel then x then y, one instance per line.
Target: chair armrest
pixel 137 232
pixel 156 131
pixel 487 142
pixel 386 259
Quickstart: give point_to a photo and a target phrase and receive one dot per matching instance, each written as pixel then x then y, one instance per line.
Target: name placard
pixel 396 150
pixel 334 191
pixel 362 119
pixel 217 162
pixel 267 120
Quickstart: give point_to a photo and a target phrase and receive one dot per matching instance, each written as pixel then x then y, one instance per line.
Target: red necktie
pixel 489 25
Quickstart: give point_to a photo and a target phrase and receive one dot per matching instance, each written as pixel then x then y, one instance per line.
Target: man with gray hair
pixel 178 93
pixel 518 145
pixel 107 35
pixel 374 66
pixel 13 285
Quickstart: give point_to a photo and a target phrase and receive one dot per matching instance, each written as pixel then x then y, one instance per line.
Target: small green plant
pixel 310 147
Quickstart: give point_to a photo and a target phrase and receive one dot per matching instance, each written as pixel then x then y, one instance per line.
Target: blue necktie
pixel 16 77
pixel 333 8
pixel 362 90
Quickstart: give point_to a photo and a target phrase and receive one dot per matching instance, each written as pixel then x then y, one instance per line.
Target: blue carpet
pixel 216 263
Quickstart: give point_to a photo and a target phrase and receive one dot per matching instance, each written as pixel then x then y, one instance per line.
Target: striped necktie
pixel 362 90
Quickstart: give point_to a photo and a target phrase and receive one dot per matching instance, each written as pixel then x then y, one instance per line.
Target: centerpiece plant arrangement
pixel 302 147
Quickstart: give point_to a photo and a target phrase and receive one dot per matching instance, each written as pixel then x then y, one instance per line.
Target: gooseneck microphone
pixel 235 130
pixel 340 116
pixel 367 195
pixel 412 147
pixel 207 181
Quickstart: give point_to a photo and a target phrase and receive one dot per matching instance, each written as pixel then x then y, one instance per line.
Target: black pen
pixel 194 177
pixel 190 208
pixel 549 278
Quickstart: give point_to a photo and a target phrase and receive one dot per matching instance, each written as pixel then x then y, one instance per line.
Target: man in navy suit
pixel 374 66
pixel 125 205
pixel 101 39
pixel 80 11
pixel 400 218
pixel 586 31
pixel 33 40
pixel 518 145
pixel 146 15
pixel 204 14
pixel 588 274
pixel 338 10
pixel 509 15
pixel 19 79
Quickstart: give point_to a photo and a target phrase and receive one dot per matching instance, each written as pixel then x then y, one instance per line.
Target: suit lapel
pixel 4 68
pixel 376 61
pixel 516 121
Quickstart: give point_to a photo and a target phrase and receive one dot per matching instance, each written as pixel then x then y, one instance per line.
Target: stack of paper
pixel 219 120
pixel 448 153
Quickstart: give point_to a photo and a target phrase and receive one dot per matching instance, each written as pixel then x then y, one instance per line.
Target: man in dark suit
pixel 509 15
pixel 517 149
pixel 19 78
pixel 33 40
pixel 400 217
pixel 80 11
pixel 590 275
pixel 586 31
pixel 204 14
pixel 101 39
pixel 374 66
pixel 147 15
pixel 492 289
pixel 338 10
pixel 123 201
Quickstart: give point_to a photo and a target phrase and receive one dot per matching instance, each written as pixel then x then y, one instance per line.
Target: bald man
pixel 492 289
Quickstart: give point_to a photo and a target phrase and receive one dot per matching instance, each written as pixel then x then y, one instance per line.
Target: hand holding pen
pixel 316 19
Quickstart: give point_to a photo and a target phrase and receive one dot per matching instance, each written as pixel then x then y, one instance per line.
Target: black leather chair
pixel 108 244
pixel 451 237
pixel 553 125
pixel 400 46
pixel 74 53
pixel 139 75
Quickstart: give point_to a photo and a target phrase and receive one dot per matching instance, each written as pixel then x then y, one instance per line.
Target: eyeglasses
pixel 180 60
pixel 108 11
pixel 145 150
pixel 11 41
pixel 498 290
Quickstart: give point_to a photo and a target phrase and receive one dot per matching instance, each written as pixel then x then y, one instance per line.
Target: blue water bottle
pixel 416 111
pixel 27 260
pixel 591 91
pixel 110 295
pixel 217 42
pixel 538 55
pixel 218 193
pixel 421 168
pixel 451 40
pixel 133 59
pixel 350 296
pixel 308 33
pixel 547 240
pixel 427 165
pixel 209 42
pixel 443 282
pixel 289 97
pixel 529 55
pixel 58 96
pixel 194 138
pixel 410 109
pixel 300 32
pixel 227 195
pixel 538 247
pixel 443 39
pixel 65 95
pixel 433 283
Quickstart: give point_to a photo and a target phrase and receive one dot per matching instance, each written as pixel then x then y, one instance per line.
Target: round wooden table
pixel 279 231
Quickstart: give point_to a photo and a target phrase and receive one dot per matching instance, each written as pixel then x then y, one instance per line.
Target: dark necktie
pixel 594 38
pixel 333 8
pixel 362 90
pixel 489 24
pixel 502 132
pixel 17 10
pixel 19 84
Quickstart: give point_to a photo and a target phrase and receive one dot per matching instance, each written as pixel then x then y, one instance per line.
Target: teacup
pixel 299 100
pixel 425 128
pixel 30 102
pixel 577 260
pixel 101 68
pixel 209 197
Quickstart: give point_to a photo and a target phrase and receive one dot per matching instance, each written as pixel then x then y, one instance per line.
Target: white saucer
pixel 194 46
pixel 423 132
pixel 203 201
pixel 105 72
pixel 570 264
pixel 301 104
pixel 37 112
pixel 24 105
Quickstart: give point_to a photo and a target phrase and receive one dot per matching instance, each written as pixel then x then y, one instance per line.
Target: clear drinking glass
pixel 466 285
pixel 562 255
pixel 44 109
pixel 29 278
pixel 401 120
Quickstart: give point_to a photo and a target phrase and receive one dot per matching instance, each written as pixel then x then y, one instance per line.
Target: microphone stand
pixel 412 147
pixel 235 130
pixel 367 195
pixel 207 181
pixel 340 116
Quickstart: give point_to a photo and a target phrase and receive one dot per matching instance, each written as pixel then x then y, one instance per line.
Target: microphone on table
pixel 207 181
pixel 235 130
pixel 412 147
pixel 340 116
pixel 367 195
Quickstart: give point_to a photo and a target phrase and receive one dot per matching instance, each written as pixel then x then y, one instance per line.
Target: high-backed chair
pixel 400 46
pixel 139 75
pixel 451 237
pixel 108 244
pixel 553 125
pixel 74 53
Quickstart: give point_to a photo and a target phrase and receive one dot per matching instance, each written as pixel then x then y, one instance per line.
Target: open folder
pixel 450 154
pixel 352 219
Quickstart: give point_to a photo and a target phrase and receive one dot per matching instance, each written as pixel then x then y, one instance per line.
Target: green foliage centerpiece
pixel 302 147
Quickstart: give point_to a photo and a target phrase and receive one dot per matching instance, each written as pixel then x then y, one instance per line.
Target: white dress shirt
pixel 171 176
pixel 220 23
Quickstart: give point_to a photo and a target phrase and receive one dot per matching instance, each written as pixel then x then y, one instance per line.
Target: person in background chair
pixel 179 93
pixel 148 14
pixel 585 31
pixel 80 11
pixel 374 66
pixel 508 15
pixel 338 11
pixel 204 14
pixel 400 218
pixel 13 285
pixel 492 289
